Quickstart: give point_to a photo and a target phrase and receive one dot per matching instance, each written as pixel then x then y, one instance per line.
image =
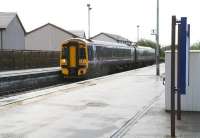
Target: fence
pixel 25 59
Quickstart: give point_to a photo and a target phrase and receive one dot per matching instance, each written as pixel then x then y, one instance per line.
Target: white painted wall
pixel 47 38
pixel 190 101
pixel 13 36
pixel 103 37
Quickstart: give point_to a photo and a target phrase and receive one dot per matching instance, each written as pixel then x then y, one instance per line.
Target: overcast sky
pixel 112 16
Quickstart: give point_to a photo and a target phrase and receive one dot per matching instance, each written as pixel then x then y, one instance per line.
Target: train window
pixel 64 52
pixel 109 53
pixel 90 53
pixel 114 52
pixel 82 53
pixel 102 52
pixel 98 52
pixel 106 52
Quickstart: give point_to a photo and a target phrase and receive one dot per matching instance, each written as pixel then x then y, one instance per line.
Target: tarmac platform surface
pixel 128 104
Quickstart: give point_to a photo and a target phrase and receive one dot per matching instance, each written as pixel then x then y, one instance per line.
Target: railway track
pixel 7 100
pixel 21 83
pixel 13 92
pixel 25 94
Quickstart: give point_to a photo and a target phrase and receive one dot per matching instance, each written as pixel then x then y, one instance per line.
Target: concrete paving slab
pixel 95 108
pixel 156 124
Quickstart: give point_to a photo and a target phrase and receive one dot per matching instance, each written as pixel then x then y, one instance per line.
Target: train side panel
pixel 145 55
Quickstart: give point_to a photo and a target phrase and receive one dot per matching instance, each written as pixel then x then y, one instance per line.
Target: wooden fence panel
pixel 22 59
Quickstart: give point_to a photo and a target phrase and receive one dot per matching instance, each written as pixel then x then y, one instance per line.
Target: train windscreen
pixel 65 53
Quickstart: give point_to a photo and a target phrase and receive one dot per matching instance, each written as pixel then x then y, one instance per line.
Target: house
pixel 12 31
pixel 49 37
pixel 79 33
pixel 111 38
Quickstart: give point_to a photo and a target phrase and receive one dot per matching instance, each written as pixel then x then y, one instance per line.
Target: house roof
pixel 79 33
pixel 113 36
pixel 6 18
pixel 73 33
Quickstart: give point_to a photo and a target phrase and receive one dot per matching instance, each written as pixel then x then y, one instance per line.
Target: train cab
pixel 74 58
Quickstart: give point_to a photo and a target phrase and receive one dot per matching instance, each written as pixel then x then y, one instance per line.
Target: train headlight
pixel 63 62
pixel 65 71
pixel 82 61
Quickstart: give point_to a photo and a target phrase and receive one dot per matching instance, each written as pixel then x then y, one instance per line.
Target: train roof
pixel 76 39
pixel 144 47
pixel 99 43
pixel 109 44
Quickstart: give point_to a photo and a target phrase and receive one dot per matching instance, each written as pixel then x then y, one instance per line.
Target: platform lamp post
pixel 156 33
pixel 89 9
pixel 138 31
pixel 157 43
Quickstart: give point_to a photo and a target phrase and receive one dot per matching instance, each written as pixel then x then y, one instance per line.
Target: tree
pixel 195 46
pixel 147 43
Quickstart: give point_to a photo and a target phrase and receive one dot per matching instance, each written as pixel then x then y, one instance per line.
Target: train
pixel 81 58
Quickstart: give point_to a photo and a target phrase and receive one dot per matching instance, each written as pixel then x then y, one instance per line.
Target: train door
pixel 72 56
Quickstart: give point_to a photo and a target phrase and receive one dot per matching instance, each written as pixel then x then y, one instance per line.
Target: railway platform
pixel 128 104
pixel 15 73
pixel 20 80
